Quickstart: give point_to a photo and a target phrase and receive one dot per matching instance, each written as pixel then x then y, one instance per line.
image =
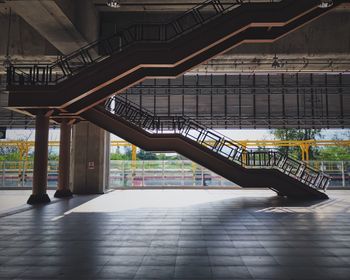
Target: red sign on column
pixel 91 165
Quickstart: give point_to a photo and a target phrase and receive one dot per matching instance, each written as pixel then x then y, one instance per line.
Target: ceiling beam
pixel 51 21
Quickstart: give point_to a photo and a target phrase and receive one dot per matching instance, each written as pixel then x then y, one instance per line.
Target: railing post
pixel 163 177
pixel 343 174
pixel 143 174
pixel 318 179
pixel 300 170
pixel 202 173
pixel 182 172
pixel 23 173
pixel 123 173
pixel 3 173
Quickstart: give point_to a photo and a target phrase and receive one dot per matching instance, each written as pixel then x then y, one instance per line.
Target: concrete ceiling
pixel 154 5
pixel 160 6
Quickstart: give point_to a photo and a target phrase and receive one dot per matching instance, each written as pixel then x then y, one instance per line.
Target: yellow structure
pixel 25 146
pixel 303 144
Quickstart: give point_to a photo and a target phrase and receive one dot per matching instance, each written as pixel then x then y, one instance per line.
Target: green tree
pixel 297 134
pixel 145 155
pixel 334 153
pixel 9 153
pixel 341 153
pixel 118 155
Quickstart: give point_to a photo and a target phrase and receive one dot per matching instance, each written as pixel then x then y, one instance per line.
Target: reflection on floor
pixel 178 234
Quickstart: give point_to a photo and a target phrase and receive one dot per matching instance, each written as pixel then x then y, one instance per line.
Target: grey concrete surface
pixel 90 159
pixel 178 234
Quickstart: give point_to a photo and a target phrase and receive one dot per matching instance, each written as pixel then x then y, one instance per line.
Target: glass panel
pixel 116 175
pixel 153 173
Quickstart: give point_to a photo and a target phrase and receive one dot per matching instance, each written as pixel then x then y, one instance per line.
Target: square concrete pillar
pixel 90 159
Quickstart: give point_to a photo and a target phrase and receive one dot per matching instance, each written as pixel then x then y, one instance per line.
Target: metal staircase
pixel 75 84
pixel 89 76
pixel 69 65
pixel 220 146
pixel 195 18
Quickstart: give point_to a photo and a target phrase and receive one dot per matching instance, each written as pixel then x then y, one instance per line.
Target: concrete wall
pixel 24 40
pixel 83 15
pixel 69 22
pixel 90 159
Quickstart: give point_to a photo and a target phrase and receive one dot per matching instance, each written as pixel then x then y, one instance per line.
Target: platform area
pixel 176 234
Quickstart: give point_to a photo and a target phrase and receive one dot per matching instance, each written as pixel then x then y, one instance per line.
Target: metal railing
pixel 217 143
pixel 154 173
pixel 66 66
pixel 19 174
pixel 164 174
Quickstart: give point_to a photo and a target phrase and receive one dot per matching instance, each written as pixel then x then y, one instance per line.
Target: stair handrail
pixel 252 158
pixel 171 119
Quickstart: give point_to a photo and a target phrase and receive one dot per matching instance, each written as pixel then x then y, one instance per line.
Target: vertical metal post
pixel 3 173
pixel 254 100
pixel 343 174
pixel 143 173
pixel 23 173
pixel 225 101
pixel 341 98
pixel 202 172
pixel 193 173
pixel 133 163
pixel 182 172
pixel 123 173
pixel 163 179
pixel 269 100
pixel 327 108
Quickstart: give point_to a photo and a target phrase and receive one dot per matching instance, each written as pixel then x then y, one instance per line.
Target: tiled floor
pixel 178 234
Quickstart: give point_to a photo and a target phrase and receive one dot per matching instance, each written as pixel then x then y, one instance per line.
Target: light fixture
pixel 7 61
pixel 275 63
pixel 326 4
pixel 113 4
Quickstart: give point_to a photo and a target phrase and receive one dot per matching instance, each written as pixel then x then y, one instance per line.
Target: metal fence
pixel 163 173
pixel 19 174
pixel 338 170
pixel 155 173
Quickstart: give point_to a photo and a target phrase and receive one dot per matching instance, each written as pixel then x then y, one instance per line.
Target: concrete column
pixel 90 159
pixel 39 194
pixel 64 161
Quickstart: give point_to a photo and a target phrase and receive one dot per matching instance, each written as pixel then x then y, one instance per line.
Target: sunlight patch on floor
pixel 120 200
